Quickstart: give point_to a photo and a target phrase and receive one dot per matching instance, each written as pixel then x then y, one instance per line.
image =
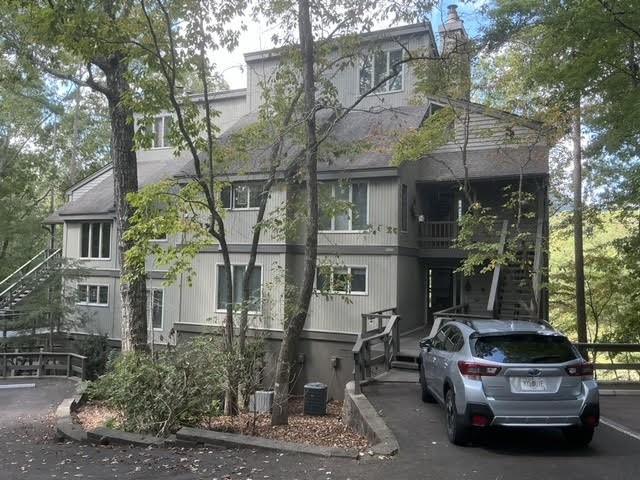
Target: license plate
pixel 533 384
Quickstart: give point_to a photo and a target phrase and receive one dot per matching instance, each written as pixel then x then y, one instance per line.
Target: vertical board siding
pixel 383 218
pixel 341 313
pixel 72 243
pixel 239 223
pixel 199 299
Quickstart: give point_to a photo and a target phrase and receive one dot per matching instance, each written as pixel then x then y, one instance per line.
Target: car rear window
pixel 524 348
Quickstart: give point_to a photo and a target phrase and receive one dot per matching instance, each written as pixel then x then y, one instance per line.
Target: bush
pixel 183 387
pixel 96 349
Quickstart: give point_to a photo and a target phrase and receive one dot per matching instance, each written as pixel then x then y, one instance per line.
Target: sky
pixel 258 34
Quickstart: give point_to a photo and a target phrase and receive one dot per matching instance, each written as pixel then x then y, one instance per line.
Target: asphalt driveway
pixel 518 454
pixel 28 449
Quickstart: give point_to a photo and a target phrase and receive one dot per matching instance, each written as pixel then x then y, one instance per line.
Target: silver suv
pixel 509 373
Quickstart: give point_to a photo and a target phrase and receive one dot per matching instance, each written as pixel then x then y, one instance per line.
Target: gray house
pixel 395 249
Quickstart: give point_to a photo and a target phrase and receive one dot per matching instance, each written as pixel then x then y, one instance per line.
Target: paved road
pixel 509 454
pixel 27 449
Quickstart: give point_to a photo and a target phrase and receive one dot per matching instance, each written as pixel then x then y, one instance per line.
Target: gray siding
pixel 71 247
pixel 341 313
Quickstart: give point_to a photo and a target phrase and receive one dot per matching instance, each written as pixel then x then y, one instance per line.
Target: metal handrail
pixel 26 264
pixel 30 272
pixel 363 361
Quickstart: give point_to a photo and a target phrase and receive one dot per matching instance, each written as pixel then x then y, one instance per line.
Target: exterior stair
pixel 516 288
pixel 18 286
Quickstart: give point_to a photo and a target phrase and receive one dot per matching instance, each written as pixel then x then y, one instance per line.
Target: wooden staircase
pixel 18 286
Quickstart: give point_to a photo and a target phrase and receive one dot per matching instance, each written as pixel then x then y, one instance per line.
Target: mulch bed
pixel 324 431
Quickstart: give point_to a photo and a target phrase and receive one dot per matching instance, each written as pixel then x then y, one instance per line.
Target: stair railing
pixel 6 296
pixel 495 282
pixel 389 336
pixel 20 272
pixel 536 301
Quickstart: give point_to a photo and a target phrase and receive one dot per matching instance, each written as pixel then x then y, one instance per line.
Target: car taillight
pixel 475 370
pixel 584 370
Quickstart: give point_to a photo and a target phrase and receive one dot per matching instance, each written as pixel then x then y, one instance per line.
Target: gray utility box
pixel 315 399
pixel 261 401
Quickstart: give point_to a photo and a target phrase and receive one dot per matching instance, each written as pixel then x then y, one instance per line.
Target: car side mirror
pixel 425 343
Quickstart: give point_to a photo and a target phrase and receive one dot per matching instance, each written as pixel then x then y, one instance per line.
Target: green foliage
pixel 181 387
pixel 611 279
pixel 96 349
pixel 436 131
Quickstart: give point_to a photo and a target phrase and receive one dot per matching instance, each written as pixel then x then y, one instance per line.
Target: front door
pixel 439 291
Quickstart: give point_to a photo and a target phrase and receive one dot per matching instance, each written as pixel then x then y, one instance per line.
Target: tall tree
pixel 577 54
pixel 58 36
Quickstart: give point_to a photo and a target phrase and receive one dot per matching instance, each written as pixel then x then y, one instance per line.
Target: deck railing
pixel 42 364
pixel 438 234
pixel 613 351
pixel 387 332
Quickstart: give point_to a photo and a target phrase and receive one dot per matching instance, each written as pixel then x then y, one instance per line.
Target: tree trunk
pixel 581 312
pixel 133 294
pixel 293 325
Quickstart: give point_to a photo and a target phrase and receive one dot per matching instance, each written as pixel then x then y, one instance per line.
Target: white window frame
pixel 89 257
pixel 404 209
pixel 350 213
pixel 331 291
pixel 383 90
pixel 250 312
pixel 162 135
pixel 232 200
pixel 93 304
pixel 150 291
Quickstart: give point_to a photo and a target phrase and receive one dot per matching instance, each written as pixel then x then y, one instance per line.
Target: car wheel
pixel 457 431
pixel 579 436
pixel 426 394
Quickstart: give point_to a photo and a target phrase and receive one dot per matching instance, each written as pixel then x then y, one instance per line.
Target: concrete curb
pixel 65 427
pixel 209 437
pixel 621 392
pixel 186 436
pixel 361 416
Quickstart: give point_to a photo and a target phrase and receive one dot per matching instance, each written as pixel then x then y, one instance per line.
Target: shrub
pixel 96 349
pixel 182 387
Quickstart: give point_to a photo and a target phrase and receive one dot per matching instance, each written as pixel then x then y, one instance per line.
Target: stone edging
pixel 198 436
pixel 186 436
pixel 65 427
pixel 361 416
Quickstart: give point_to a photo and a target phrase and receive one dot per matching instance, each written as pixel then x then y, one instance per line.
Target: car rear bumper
pixel 583 410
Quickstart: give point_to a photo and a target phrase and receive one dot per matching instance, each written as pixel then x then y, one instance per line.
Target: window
pixel 342 280
pixel 348 203
pixel 155 307
pixel 524 348
pixel 93 294
pixel 161 130
pixel 244 196
pixel 95 240
pixel 255 282
pixel 454 340
pixel 404 205
pixel 379 66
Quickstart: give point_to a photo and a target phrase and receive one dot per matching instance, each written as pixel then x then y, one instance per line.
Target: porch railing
pixel 41 364
pixel 438 234
pixel 387 332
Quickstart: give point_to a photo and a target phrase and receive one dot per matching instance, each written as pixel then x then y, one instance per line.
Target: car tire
pixel 579 436
pixel 458 432
pixel 425 393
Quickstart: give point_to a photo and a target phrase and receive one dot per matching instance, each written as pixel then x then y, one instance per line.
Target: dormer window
pixel 161 130
pixel 377 67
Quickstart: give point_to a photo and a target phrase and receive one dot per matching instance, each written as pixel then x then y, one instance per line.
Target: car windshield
pixel 524 348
